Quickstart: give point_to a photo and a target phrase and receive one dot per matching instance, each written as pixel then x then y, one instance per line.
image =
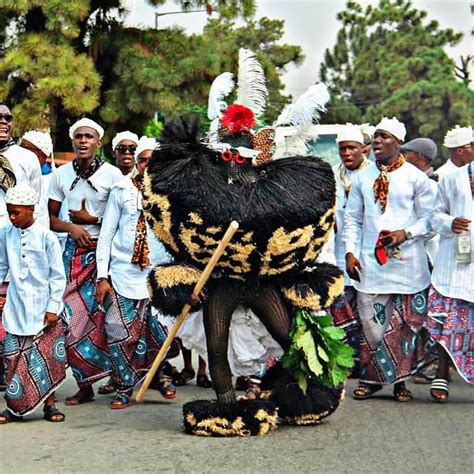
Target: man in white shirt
pixel 460 144
pixel 41 144
pixel 124 145
pixel 126 250
pixel 421 152
pixel 387 214
pixel 35 358
pixel 85 184
pixel 451 299
pixel 351 143
pixel 17 165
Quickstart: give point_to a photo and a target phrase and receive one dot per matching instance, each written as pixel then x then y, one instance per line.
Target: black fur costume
pixel 285 211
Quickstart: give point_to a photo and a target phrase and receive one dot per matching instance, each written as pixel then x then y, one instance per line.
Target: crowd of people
pixel 76 249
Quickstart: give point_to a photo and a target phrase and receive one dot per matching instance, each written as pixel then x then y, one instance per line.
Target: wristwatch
pixel 100 279
pixel 408 235
pixel 99 221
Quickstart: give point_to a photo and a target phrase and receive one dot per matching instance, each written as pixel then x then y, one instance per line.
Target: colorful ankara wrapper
pixel 451 324
pixel 87 349
pixel 35 368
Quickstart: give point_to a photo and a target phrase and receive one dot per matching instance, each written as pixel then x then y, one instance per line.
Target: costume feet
pixel 52 413
pixel 439 390
pixel 84 395
pixel 363 391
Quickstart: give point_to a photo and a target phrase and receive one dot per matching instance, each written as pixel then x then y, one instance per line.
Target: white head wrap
pixel 146 143
pixel 85 122
pixel 393 126
pixel 458 136
pixel 368 131
pixel 133 137
pixel 350 133
pixel 41 140
pixel 22 195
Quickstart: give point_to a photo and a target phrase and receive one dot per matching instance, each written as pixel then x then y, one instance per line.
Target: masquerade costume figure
pixel 35 354
pixel 285 210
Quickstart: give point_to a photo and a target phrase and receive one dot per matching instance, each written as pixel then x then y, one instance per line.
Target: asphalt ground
pixel 376 435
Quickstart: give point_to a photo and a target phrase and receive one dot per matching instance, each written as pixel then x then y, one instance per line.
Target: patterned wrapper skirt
pixel 35 366
pixel 346 316
pixel 394 338
pixel 86 342
pixel 3 296
pixel 134 336
pixel 451 324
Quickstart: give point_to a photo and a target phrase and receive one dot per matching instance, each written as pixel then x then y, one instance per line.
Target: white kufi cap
pixel 458 136
pixel 85 122
pixel 22 195
pixel 41 140
pixel 393 126
pixel 350 133
pixel 146 143
pixel 133 137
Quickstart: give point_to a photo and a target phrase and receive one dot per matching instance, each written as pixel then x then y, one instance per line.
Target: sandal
pixel 183 377
pixel 107 388
pixel 203 381
pixel 401 393
pixel 121 400
pixel 363 391
pixel 51 413
pixel 166 388
pixel 80 398
pixel 9 417
pixel 439 385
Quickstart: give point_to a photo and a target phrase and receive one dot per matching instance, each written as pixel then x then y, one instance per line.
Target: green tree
pixel 63 60
pixel 388 60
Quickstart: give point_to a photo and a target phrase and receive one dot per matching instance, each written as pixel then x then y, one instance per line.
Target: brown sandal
pixel 401 393
pixel 363 391
pixel 80 398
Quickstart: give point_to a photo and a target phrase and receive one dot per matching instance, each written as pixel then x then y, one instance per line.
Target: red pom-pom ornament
pixel 240 160
pixel 237 118
pixel 226 156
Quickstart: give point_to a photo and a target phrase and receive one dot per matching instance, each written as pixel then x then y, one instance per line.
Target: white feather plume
pixel 221 87
pixel 252 91
pixel 305 110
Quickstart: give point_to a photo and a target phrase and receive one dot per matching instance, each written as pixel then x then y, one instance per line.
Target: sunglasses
pixel 124 148
pixel 6 117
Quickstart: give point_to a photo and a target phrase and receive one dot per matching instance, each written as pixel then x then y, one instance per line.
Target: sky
pixel 311 24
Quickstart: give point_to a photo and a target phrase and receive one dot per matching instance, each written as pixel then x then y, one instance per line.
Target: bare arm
pixel 79 234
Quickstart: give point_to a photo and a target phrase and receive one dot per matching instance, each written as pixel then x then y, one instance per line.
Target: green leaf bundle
pixel 317 351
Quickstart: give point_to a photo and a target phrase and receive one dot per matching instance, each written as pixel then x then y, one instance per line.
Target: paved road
pixel 377 435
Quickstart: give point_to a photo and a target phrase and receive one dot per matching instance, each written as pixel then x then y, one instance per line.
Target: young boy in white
pixel 34 353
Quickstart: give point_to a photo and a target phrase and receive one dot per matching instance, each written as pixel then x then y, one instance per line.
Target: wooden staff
pixel 187 307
